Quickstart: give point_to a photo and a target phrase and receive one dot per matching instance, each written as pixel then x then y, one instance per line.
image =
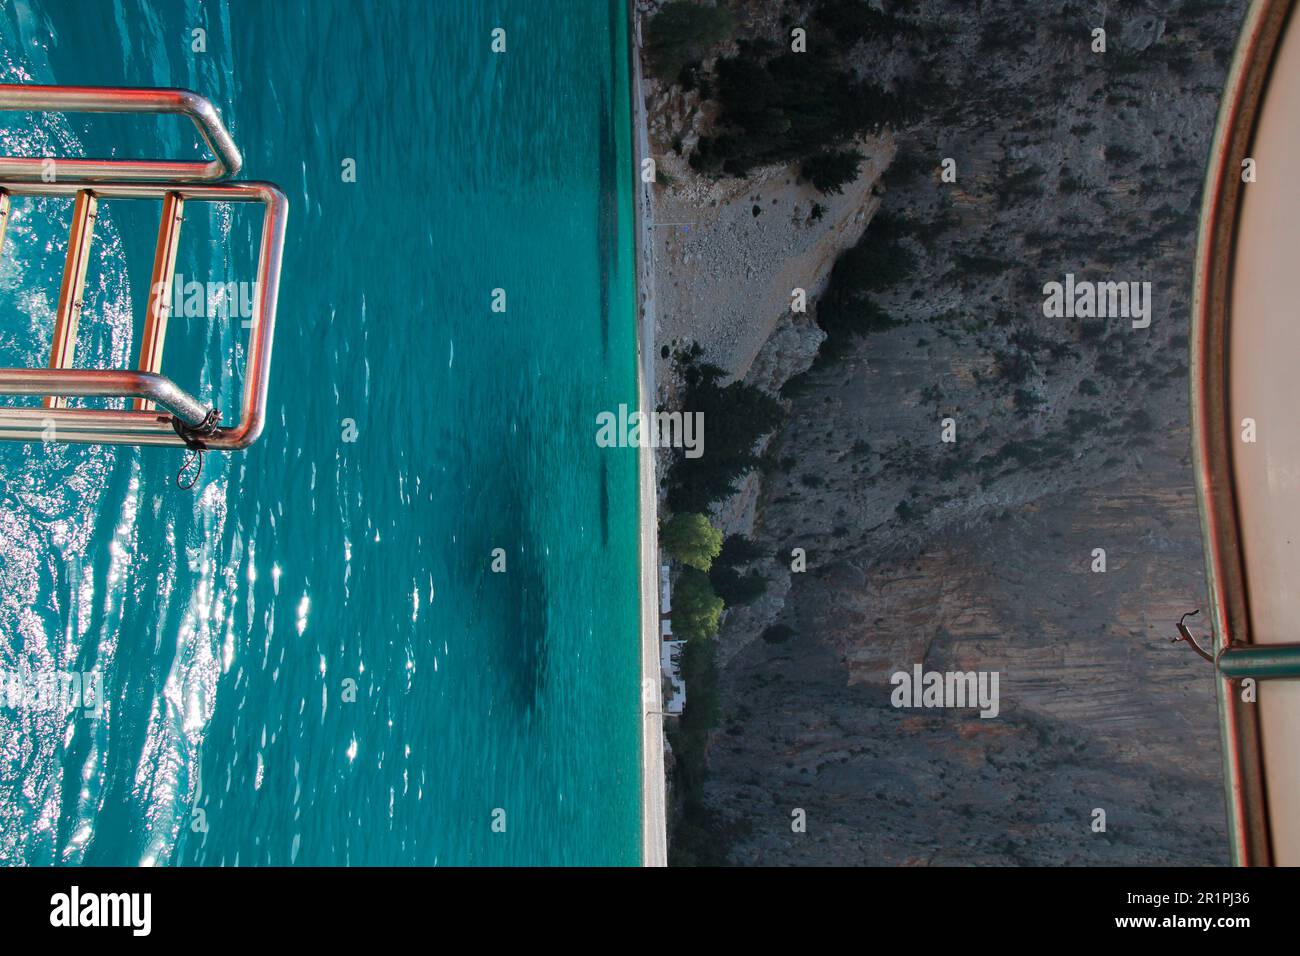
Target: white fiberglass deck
pixel 1264 385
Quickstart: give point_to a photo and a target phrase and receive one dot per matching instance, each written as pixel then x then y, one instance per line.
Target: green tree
pixel 872 265
pixel 682 33
pixel 697 611
pixel 734 587
pixel 831 171
pixel 737 550
pixel 691 539
pixel 848 21
pixel 787 107
pixel 845 310
pixel 737 416
pixel 729 583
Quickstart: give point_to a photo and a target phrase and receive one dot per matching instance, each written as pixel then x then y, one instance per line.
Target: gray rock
pixel 1071 435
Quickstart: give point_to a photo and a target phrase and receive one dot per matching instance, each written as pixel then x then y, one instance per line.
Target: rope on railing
pixel 193 436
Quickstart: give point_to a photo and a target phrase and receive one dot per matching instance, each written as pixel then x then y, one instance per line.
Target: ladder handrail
pixel 121 99
pixel 104 383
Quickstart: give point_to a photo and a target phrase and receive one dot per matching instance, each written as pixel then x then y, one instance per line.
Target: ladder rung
pixel 4 214
pixel 159 305
pixel 128 426
pixel 74 283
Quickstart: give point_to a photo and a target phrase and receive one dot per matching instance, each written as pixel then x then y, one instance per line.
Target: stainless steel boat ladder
pixel 161 412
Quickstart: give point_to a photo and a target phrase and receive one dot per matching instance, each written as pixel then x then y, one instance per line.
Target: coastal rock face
pixel 1097 710
pixel 978 554
pixel 732 252
pixel 1140 32
pixel 789 349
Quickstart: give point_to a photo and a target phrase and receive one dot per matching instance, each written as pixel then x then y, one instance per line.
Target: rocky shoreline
pixel 1072 435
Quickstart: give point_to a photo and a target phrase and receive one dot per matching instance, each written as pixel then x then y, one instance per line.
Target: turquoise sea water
pixel 228 622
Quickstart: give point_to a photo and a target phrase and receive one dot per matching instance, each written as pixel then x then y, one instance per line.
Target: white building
pixel 670 651
pixel 670 664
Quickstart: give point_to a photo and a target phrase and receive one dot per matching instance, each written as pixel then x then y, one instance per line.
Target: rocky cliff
pixel 1070 436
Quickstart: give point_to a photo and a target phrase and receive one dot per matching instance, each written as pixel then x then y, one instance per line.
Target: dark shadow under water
pixel 505 569
pixel 606 214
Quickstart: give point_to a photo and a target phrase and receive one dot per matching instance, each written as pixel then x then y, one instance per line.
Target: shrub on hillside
pixel 736 416
pixel 831 171
pixel 736 588
pixel 682 33
pixel 792 106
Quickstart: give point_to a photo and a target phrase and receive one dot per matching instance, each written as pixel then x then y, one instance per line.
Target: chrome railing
pixel 112 99
pixel 183 420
